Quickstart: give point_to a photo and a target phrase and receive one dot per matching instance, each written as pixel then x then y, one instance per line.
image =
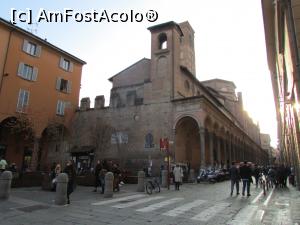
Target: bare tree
pixel 21 127
pixel 100 134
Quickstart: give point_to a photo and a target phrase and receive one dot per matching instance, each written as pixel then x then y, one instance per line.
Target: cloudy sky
pixel 229 43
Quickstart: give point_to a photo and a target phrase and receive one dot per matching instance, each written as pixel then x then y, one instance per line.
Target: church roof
pixel 164 25
pixel 131 66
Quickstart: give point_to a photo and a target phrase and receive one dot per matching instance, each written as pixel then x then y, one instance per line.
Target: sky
pixel 229 43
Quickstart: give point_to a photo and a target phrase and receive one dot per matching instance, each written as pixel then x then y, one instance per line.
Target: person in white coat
pixel 178 174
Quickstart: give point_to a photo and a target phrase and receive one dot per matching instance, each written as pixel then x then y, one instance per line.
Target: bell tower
pixel 172 50
pixel 165 57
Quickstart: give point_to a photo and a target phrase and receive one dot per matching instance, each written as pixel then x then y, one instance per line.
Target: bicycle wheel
pixel 157 187
pixel 149 188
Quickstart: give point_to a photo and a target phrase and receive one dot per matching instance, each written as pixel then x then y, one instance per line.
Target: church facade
pixel 160 99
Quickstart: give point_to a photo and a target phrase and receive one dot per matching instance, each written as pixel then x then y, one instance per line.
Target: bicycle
pixel 152 184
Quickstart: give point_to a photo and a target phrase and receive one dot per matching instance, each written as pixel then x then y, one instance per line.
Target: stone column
pixel 225 152
pixel 34 157
pixel 192 176
pixel 61 189
pixel 141 181
pixel 5 184
pixel 202 147
pixel 211 149
pixel 164 178
pixel 109 182
pixel 218 150
pixel 229 150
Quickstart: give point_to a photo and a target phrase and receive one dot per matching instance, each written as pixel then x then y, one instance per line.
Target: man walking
pixel 235 178
pixel 245 172
pixel 98 168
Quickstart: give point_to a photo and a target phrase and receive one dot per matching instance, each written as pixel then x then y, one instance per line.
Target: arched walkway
pixel 187 142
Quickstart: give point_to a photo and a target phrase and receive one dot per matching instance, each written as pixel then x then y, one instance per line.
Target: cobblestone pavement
pixel 193 204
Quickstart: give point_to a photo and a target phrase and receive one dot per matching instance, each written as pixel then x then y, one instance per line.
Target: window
pixel 61 106
pixel 31 48
pixel 23 101
pixel 66 64
pixel 63 85
pixel 149 141
pixel 162 39
pixel 119 137
pixel 27 72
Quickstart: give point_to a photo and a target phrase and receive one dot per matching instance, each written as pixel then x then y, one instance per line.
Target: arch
pixel 162 41
pixel 187 141
pixel 186 115
pixel 53 146
pixel 16 140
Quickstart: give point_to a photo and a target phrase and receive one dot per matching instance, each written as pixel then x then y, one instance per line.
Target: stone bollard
pixel 61 189
pixel 192 176
pixel 5 184
pixel 164 178
pixel 141 181
pixel 109 183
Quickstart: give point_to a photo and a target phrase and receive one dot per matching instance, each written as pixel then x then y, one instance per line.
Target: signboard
pixel 164 144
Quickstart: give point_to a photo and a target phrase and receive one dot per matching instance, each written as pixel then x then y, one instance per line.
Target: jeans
pixel 102 184
pixel 237 186
pixel 246 182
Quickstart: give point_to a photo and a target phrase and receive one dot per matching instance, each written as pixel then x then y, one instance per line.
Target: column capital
pixel 201 130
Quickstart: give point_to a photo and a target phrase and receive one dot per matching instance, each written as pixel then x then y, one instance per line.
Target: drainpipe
pixel 5 60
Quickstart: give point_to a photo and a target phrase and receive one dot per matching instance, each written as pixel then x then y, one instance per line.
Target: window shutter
pixel 71 67
pixel 58 81
pixel 69 86
pixel 38 51
pixel 35 73
pixel 20 69
pixel 25 45
pixel 20 100
pixel 58 107
pixel 61 62
pixel 26 98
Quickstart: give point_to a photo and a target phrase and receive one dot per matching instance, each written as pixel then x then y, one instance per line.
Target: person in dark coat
pixel 235 178
pixel 256 173
pixel 245 172
pixel 71 172
pixel 98 168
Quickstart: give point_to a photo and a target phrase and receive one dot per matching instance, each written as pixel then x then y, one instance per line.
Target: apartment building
pixel 39 92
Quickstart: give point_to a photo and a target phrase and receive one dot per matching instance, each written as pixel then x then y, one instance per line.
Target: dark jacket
pixel 234 173
pixel 245 172
pixel 70 170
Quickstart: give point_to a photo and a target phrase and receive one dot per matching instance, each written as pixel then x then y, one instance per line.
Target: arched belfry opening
pixel 162 41
pixel 187 142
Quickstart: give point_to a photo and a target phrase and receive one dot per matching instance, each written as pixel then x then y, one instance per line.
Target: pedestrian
pixel 245 172
pixel 103 171
pixel 178 174
pixel 234 178
pixel 56 172
pixel 256 173
pixel 71 172
pixel 117 173
pixel 97 170
pixel 3 164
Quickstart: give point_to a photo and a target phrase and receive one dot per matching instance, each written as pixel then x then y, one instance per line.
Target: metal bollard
pixel 109 181
pixel 141 181
pixel 61 189
pixel 164 178
pixel 5 184
pixel 192 176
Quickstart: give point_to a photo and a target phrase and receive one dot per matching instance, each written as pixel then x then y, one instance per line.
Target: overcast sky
pixel 229 44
